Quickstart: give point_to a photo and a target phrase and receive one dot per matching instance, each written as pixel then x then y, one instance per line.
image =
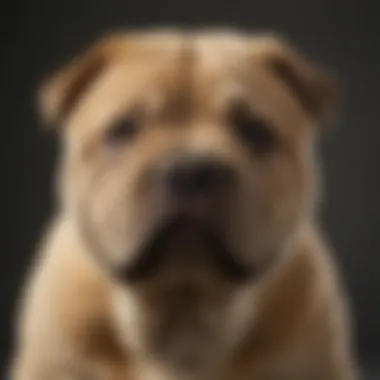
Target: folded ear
pixel 60 93
pixel 316 90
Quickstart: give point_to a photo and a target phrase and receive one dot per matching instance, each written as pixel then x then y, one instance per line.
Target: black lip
pixel 154 253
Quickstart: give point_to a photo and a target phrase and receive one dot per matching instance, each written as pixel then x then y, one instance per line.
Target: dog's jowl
pixel 184 245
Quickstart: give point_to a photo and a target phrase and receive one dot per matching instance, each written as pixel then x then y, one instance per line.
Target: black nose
pixel 189 177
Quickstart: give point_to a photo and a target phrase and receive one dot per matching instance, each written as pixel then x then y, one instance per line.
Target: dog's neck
pixel 146 370
pixel 182 330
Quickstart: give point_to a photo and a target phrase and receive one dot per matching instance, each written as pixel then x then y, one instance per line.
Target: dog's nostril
pixel 197 177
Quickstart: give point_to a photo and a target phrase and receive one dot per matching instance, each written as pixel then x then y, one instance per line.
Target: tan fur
pixel 77 320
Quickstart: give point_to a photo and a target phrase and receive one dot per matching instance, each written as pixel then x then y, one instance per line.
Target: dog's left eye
pixel 123 130
pixel 253 131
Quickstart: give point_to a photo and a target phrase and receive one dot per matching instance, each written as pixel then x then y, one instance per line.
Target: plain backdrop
pixel 343 35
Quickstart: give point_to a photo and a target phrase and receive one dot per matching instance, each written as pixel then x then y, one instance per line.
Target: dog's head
pixel 193 149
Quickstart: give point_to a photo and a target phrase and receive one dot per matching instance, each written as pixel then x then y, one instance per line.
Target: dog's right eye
pixel 122 131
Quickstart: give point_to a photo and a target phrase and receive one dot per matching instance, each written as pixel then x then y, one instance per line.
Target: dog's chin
pixel 175 236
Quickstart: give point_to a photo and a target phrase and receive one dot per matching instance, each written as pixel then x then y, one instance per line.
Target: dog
pixel 185 243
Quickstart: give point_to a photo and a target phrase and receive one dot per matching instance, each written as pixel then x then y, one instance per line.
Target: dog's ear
pixel 59 94
pixel 315 88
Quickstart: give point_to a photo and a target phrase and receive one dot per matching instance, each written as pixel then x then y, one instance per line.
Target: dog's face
pixel 188 155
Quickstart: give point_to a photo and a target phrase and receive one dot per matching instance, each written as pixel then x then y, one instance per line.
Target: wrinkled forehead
pixel 175 76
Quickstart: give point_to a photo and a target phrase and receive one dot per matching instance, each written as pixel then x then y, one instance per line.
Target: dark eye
pixel 122 131
pixel 254 131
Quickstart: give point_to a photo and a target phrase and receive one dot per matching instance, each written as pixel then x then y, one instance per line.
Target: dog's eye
pixel 254 131
pixel 123 130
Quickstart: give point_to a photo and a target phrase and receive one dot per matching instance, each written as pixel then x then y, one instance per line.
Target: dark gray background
pixel 39 35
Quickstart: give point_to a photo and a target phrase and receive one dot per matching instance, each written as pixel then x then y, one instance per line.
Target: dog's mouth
pixel 183 231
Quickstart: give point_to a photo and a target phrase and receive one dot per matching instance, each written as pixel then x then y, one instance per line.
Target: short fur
pixel 78 321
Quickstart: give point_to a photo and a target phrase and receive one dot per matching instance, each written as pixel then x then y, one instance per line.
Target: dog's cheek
pixel 292 196
pixel 115 210
pixel 288 194
pixel 94 197
pixel 270 204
